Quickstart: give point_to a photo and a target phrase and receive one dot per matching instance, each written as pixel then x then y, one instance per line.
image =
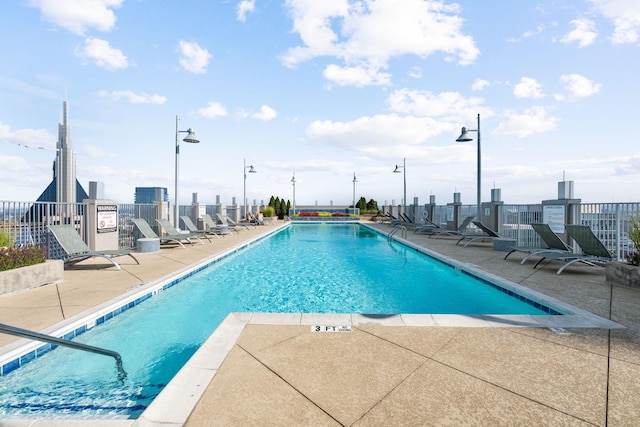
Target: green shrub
pixel 5 240
pixel 11 258
pixel 268 212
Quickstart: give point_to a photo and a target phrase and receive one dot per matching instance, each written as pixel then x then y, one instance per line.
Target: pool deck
pixel 460 370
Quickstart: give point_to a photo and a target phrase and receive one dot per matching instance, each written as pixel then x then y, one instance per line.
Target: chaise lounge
pixel 593 251
pixel 147 232
pixel 552 244
pixel 76 249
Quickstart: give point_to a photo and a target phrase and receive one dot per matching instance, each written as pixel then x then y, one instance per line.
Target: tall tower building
pixel 64 187
pixel 65 163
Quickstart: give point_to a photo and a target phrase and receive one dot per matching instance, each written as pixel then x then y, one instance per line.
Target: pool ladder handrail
pixel 25 333
pixel 395 230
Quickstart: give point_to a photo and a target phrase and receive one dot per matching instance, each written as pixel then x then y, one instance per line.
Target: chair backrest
pixel 69 239
pixel 406 218
pixel 427 221
pixel 209 222
pixel 167 227
pixel 588 241
pixel 144 228
pixel 222 219
pixel 189 223
pixel 465 224
pixel 230 221
pixel 486 229
pixel 551 239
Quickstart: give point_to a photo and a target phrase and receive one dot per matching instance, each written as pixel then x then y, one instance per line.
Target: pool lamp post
pixel 354 192
pixel 465 137
pixel 244 194
pixel 293 182
pixel 190 138
pixel 404 170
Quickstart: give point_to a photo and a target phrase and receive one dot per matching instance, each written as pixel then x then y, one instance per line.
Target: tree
pixel 362 204
pixel 372 205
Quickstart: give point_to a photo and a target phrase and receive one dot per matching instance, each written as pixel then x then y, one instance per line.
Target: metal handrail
pixel 25 333
pixel 395 230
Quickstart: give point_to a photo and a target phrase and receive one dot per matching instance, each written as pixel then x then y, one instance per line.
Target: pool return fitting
pixel 25 333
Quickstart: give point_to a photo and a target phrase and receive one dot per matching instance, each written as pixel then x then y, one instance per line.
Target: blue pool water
pixel 303 268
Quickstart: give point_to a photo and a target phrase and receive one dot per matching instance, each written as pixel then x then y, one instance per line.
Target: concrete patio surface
pixel 493 373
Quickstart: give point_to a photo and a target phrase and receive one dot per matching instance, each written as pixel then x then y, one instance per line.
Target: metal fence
pixel 25 222
pixel 608 221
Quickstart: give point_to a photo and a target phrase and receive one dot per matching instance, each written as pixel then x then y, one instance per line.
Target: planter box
pixel 32 276
pixel 623 274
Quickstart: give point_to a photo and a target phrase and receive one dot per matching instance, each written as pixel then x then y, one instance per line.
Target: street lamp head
pixel 191 137
pixel 252 169
pixel 397 169
pixel 354 177
pixel 464 136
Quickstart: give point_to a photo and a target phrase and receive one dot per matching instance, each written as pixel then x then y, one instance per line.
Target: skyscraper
pixel 64 187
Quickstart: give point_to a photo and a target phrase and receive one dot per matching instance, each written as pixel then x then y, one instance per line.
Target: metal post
pixel 354 192
pixel 293 182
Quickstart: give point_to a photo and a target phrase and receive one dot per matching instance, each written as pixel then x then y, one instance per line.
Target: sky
pixel 325 89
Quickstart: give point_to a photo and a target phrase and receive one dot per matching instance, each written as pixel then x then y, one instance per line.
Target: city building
pixel 146 195
pixel 64 188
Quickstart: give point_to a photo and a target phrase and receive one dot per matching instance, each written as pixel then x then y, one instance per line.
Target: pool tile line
pixel 19 353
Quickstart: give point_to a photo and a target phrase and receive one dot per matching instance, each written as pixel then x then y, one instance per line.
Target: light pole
pixel 404 170
pixel 464 137
pixel 191 138
pixel 251 170
pixel 293 182
pixel 354 192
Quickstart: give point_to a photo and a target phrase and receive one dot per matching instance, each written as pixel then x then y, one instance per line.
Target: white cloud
pixel 526 123
pixel 584 32
pixel 528 88
pixel 134 98
pixel 356 76
pixel 245 7
pixel 539 30
pixel 102 54
pixel 30 138
pixel 579 86
pixel 625 15
pixel 366 35
pixel 479 84
pixel 415 72
pixel 194 59
pixel 213 110
pixel 450 106
pixel 266 113
pixel 381 136
pixel 78 16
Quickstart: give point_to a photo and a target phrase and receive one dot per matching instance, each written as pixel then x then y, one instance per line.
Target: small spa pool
pixel 303 268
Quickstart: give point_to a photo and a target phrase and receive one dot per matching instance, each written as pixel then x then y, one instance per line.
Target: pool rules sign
pixel 107 218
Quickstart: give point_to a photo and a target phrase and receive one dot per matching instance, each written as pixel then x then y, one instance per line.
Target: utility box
pixel 101 224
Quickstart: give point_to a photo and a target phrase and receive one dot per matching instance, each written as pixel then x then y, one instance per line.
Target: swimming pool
pixel 322 269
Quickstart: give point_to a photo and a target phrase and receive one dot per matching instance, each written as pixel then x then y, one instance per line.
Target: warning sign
pixel 107 218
